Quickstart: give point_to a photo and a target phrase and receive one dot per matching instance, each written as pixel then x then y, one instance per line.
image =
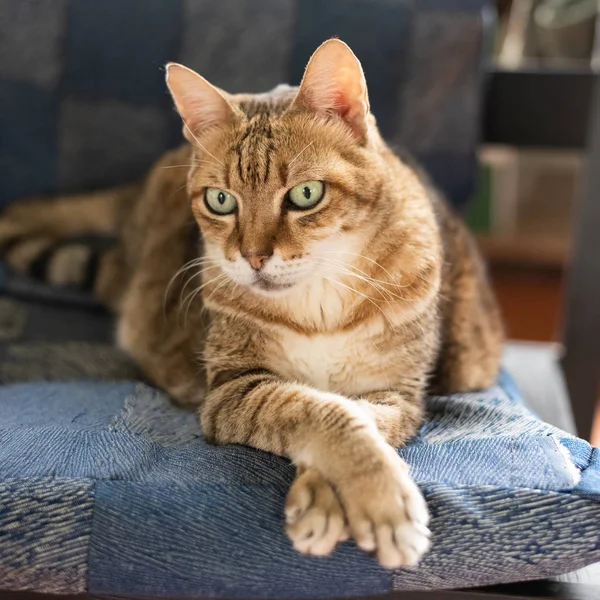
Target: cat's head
pixel 285 186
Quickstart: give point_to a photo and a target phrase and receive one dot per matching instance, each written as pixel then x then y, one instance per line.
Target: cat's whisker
pixel 346 265
pixel 342 268
pixel 181 187
pixel 187 283
pixel 181 271
pixel 351 289
pixel 231 287
pixel 190 297
pixel 300 153
pixel 195 262
pixel 201 286
pixel 379 285
pixel 218 288
pixel 347 273
pixel 221 284
pixel 198 274
pixel 364 257
pixel 356 292
pixel 200 144
pixel 222 278
pixel 199 161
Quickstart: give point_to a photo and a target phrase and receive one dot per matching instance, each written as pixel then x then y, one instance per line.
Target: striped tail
pixel 62 241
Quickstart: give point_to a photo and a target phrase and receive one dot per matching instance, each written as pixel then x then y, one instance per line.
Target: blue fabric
pixel 83 103
pixel 110 489
pixel 97 71
pixel 29 143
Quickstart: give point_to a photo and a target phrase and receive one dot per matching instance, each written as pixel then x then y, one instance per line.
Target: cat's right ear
pixel 334 86
pixel 200 104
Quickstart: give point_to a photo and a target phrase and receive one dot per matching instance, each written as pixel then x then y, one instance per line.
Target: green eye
pixel 219 201
pixel 306 195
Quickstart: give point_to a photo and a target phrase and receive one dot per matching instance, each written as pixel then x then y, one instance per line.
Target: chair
pixel 426 91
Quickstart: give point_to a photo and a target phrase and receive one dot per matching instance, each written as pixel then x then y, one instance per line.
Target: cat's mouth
pixel 266 284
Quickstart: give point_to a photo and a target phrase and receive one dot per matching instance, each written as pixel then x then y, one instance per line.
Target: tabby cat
pixel 336 288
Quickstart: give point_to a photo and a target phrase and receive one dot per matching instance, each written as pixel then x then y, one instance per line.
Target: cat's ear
pixel 200 104
pixel 334 84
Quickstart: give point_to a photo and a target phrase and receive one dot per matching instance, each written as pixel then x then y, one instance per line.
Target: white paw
pixel 387 514
pixel 314 516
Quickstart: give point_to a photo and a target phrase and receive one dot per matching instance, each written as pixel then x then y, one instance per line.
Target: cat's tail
pixel 62 240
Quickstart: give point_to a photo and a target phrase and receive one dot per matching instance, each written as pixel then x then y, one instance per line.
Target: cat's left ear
pixel 199 103
pixel 334 84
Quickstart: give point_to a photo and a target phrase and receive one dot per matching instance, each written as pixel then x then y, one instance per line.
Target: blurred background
pixel 523 210
pixel 526 205
pixel 494 97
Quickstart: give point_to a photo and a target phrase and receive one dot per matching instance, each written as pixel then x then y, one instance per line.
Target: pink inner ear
pixel 349 106
pixel 347 98
pixel 334 85
pixel 200 105
pixel 341 104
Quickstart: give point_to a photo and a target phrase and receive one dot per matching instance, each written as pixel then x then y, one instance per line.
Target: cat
pixel 337 288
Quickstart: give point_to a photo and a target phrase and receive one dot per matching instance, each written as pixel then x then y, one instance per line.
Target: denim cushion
pixel 109 489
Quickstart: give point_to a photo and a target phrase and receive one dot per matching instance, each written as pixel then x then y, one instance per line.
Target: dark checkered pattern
pixel 83 102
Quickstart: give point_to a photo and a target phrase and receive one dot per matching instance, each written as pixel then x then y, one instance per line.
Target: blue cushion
pixel 108 488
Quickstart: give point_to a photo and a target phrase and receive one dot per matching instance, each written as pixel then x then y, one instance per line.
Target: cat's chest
pixel 347 363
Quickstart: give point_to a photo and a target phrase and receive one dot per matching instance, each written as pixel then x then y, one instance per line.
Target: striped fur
pixel 324 352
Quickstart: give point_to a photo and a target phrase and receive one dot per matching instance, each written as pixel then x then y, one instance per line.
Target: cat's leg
pixel 314 515
pixel 155 329
pixel 331 434
pixel 397 415
pixel 472 332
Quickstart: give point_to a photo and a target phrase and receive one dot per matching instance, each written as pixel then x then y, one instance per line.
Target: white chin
pixel 271 288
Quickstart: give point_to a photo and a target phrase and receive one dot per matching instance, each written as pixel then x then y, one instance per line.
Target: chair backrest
pixel 83 103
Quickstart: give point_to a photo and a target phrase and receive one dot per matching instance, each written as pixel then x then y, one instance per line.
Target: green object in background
pixel 565 28
pixel 479 217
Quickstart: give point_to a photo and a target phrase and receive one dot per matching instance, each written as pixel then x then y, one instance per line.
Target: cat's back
pixel 162 209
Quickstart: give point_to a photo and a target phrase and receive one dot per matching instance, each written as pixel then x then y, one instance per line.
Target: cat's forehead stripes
pixel 272 103
pixel 255 145
pixel 254 150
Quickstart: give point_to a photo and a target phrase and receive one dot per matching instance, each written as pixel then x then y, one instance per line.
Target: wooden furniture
pixel 561 109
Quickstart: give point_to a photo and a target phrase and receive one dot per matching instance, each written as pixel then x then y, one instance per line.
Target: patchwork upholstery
pixel 83 102
pixel 110 489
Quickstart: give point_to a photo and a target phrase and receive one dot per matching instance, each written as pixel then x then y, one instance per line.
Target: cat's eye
pixel 219 201
pixel 306 195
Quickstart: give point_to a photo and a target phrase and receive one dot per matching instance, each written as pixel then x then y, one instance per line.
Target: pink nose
pixel 257 261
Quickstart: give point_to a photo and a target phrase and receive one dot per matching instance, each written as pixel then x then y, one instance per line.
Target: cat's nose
pixel 257 261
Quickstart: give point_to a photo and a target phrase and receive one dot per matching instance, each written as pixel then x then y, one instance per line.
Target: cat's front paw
pixel 314 516
pixel 387 513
